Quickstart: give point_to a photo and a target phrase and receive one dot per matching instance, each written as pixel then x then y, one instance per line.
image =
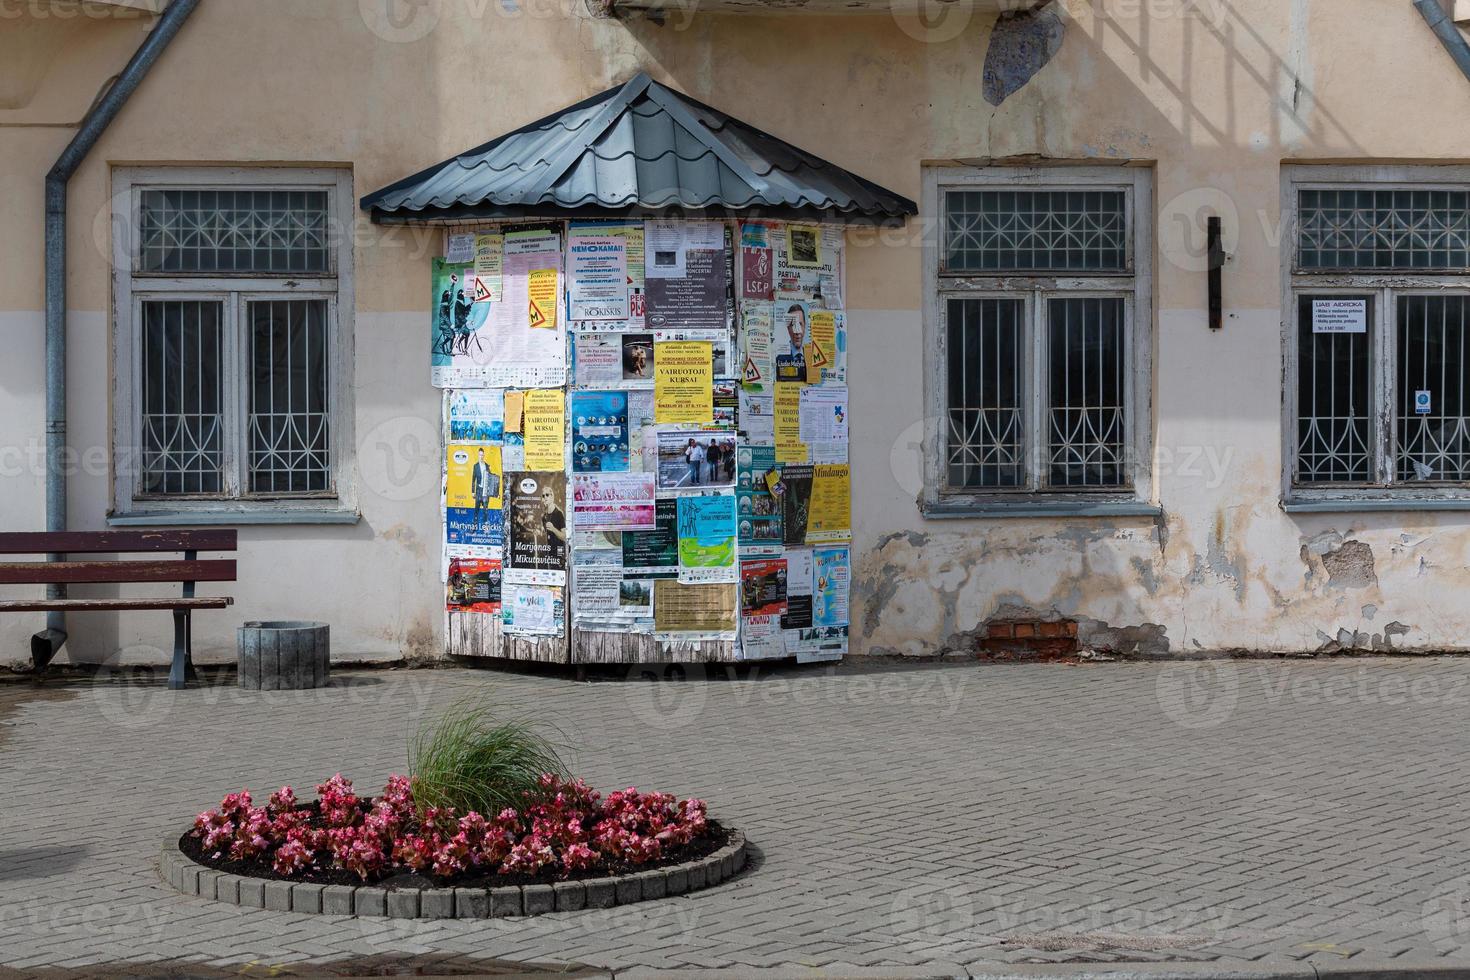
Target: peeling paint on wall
pixel 1343 563
pixel 1020 46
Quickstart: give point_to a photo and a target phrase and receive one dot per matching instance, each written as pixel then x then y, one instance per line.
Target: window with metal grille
pixel 233 286
pixel 1380 287
pixel 1039 372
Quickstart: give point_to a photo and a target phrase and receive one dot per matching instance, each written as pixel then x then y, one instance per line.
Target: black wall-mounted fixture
pixel 1214 234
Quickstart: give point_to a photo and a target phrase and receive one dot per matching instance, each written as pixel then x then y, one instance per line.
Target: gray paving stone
pixel 306 898
pixel 227 889
pixel 505 902
pixel 472 903
pixel 437 903
pixel 536 899
pixel 252 893
pixel 403 903
pixel 278 896
pixel 629 889
pixel 571 896
pixel 337 899
pixel 654 884
pixel 601 894
pixel 677 880
pixel 368 900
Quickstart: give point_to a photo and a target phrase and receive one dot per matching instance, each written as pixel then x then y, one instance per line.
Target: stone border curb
pixel 184 875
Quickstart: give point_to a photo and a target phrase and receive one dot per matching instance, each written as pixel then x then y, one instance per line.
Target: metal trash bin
pixel 283 655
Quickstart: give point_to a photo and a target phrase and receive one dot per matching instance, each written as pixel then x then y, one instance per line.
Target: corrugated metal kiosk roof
pixel 639 149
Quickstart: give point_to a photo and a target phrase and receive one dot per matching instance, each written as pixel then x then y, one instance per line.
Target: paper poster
pixel 597 276
pixel 599 432
pixel 489 266
pixel 757 418
pixel 459 249
pixel 831 575
pixel 472 499
pixel 654 554
pixel 761 638
pixel 613 501
pixel 791 339
pixel 693 301
pixel 545 429
pixel 798 278
pixel 642 438
pixel 542 293
pixel 796 502
pixel 822 345
pixel 689 612
pixel 799 577
pixel 757 263
pixel 763 587
pixel 663 250
pixel 786 424
pixel 683 379
pixel 835 370
pixel 638 351
pixel 532 610
pixel 635 598
pixel 725 405
pixel 536 526
pixel 631 233
pixel 518 354
pixel 823 413
pixel 459 340
pixel 707 539
pixel 597 578
pixel 758 359
pixel 515 412
pixel 473 585
pixel 476 414
pixel 722 353
pixel 1345 315
pixel 598 359
pixel 819 644
pixel 695 459
pixel 830 515
pixel 759 511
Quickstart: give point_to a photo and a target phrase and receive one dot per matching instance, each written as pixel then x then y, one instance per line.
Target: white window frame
pixel 1382 492
pixel 131 288
pixel 1134 285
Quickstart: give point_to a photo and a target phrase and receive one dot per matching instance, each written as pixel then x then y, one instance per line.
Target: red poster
pixel 756 279
pixel 763 587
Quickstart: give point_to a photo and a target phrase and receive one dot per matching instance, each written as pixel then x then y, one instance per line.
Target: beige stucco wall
pixel 1215 100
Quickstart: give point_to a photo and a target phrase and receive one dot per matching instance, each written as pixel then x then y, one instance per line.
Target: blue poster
pixel 599 431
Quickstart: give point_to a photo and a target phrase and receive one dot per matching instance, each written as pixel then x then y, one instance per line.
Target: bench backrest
pixel 189 569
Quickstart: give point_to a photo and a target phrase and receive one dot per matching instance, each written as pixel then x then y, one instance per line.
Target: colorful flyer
pixel 489 265
pixel 832 574
pixel 759 511
pixel 829 519
pixel 786 424
pixel 459 334
pixel 532 610
pixel 654 554
pixel 545 429
pixel 597 276
pixel 598 359
pixel 763 587
pixel 707 539
pixel 473 496
pixel 796 502
pixel 536 532
pixel 473 585
pixel 475 414
pixel 683 382
pixel 599 432
pixel 695 459
pixel 613 501
pixel 757 330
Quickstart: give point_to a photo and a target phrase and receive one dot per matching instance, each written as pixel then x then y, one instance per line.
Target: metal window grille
pixel 233 231
pixel 182 357
pixel 1334 402
pixel 1433 434
pixel 288 442
pixel 1373 228
pixel 1036 230
pixel 987 440
pixel 1087 391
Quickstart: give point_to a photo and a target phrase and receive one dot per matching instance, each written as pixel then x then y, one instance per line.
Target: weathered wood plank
pixel 101 542
pixel 469 634
pixel 101 605
pixel 39 572
pixel 604 647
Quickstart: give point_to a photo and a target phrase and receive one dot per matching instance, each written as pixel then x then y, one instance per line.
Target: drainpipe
pixel 1448 33
pixel 46 643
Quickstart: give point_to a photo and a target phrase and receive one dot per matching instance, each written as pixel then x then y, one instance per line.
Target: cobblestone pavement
pixel 940 817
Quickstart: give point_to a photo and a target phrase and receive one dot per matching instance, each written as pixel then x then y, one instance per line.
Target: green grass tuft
pixel 470 760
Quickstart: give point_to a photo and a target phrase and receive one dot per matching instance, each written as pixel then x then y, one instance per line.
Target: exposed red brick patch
pixel 1030 639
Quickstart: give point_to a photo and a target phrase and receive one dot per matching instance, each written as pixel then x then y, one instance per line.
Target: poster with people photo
pixel 789 343
pixel 695 459
pixel 473 585
pixel 457 336
pixel 472 499
pixel 536 520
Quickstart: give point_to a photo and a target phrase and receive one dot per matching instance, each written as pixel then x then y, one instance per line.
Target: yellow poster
pixel 515 402
pixel 472 476
pixel 787 421
pixel 489 263
pixel 830 516
pixel 545 425
pixel 823 347
pixel 541 285
pixel 683 382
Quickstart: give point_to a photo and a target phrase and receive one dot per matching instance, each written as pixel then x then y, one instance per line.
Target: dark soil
pixel 714 837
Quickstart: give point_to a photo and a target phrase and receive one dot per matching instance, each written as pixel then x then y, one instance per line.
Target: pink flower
pixel 292 858
pixel 282 801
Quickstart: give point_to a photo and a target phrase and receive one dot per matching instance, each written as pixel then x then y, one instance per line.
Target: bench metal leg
pixel 182 670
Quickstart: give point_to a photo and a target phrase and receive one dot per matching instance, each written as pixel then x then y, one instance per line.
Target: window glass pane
pixel 181 356
pixel 1010 231
pixel 1333 402
pixel 986 367
pixel 1433 444
pixel 1088 430
pixel 1383 229
pixel 288 443
pixel 233 231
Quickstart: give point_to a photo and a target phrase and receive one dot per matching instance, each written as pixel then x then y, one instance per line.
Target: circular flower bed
pixel 564 832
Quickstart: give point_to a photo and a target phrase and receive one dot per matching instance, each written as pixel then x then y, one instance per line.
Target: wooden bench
pixel 190 570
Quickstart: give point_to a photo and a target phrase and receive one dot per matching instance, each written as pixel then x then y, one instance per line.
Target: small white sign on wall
pixel 1339 316
pixel 1423 403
